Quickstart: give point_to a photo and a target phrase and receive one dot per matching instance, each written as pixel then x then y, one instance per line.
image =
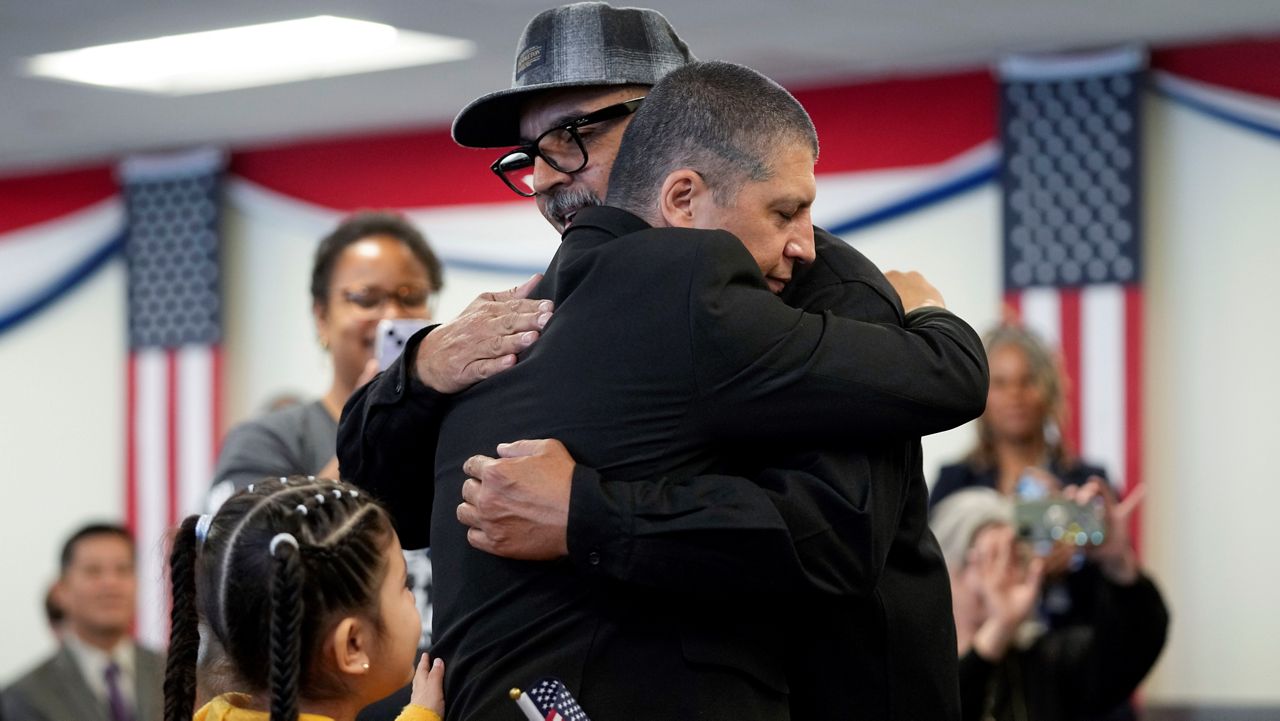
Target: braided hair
pixel 315 546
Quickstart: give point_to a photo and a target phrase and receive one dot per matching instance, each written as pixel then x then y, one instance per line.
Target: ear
pixel 320 313
pixel 682 193
pixel 59 593
pixel 352 645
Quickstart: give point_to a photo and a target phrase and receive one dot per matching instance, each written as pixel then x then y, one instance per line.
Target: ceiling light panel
pixel 253 55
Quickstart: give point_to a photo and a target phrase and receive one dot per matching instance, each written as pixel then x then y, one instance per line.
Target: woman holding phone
pixel 373 266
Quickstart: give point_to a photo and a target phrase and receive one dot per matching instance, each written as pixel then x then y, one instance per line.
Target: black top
pixel 958 476
pixel 1076 671
pixel 675 332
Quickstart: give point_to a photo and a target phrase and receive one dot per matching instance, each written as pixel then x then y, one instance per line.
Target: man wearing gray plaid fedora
pixel 850 577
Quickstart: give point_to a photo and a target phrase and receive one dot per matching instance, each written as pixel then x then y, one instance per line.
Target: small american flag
pixel 1071 177
pixel 555 702
pixel 171 252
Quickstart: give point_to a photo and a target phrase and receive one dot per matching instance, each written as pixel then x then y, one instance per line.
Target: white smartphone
pixel 391 336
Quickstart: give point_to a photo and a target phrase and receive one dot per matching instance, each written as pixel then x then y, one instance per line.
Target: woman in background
pixel 374 265
pixel 1019 429
pixel 1021 454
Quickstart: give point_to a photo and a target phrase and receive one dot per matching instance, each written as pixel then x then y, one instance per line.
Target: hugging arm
pixel 821 524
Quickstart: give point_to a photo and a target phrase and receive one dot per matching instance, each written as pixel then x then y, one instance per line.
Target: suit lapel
pixel 71 692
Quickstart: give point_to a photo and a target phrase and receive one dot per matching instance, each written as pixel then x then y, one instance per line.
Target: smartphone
pixel 391 336
pixel 1047 521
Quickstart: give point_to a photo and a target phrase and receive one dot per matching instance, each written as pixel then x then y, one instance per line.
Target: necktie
pixel 115 700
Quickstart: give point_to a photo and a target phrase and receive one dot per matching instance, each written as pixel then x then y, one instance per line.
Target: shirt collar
pixel 614 221
pixel 93 660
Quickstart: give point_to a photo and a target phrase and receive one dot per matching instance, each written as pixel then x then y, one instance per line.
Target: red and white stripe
pixel 173 422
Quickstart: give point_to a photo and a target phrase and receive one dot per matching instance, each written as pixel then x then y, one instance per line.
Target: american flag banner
pixel 554 701
pixel 171 251
pixel 1070 174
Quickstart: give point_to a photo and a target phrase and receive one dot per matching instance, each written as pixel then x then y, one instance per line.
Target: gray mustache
pixel 568 199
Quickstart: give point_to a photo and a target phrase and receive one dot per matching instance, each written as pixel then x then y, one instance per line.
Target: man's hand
pixel 914 290
pixel 517 505
pixel 483 340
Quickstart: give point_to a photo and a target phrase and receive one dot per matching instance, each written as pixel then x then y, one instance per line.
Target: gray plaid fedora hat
pixel 578 45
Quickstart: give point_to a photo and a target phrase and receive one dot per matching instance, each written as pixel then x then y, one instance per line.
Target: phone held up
pixel 1045 520
pixel 391 336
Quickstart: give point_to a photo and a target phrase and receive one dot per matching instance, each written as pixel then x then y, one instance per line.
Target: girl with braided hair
pixel 301 583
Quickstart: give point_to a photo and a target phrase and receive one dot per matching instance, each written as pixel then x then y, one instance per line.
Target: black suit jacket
pixel 867 609
pixel 665 347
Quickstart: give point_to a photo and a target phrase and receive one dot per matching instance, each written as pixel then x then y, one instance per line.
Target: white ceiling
pixel 46 123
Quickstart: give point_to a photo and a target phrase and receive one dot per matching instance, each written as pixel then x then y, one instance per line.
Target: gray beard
pixel 567 200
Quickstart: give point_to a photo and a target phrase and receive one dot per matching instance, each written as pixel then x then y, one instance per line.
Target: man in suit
pixel 666 344
pixel 99 673
pixel 836 529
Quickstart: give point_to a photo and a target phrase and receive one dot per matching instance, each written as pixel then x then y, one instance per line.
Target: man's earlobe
pixel 678 198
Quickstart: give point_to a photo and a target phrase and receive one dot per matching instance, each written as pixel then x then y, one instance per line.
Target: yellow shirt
pixel 231 707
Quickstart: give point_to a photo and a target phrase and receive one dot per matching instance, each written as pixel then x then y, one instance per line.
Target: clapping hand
pixel 1009 586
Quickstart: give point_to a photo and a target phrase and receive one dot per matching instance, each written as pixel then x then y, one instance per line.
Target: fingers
pixel 476 466
pixel 479 370
pixel 437 671
pixel 528 447
pixel 519 292
pixel 480 541
pixel 524 289
pixel 1093 488
pixel 1003 553
pixel 1131 501
pixel 468 515
pixel 1035 572
pixel 428 684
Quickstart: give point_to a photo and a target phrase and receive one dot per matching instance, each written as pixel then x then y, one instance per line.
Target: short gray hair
pixel 956 520
pixel 722 120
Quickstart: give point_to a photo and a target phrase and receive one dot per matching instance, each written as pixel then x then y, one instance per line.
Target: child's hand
pixel 428 685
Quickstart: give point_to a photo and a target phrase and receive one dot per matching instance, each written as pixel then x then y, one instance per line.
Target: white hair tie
pixel 279 538
pixel 202 528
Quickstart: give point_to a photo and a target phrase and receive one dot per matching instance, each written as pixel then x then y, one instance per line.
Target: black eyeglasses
pixel 371 299
pixel 561 147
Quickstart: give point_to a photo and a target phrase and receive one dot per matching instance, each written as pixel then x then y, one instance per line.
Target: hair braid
pixel 184 628
pixel 286 633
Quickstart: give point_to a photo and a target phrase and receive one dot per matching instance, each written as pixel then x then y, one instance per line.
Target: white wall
pixel 61 447
pixel 1213 250
pixel 953 247
pixel 1211 396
